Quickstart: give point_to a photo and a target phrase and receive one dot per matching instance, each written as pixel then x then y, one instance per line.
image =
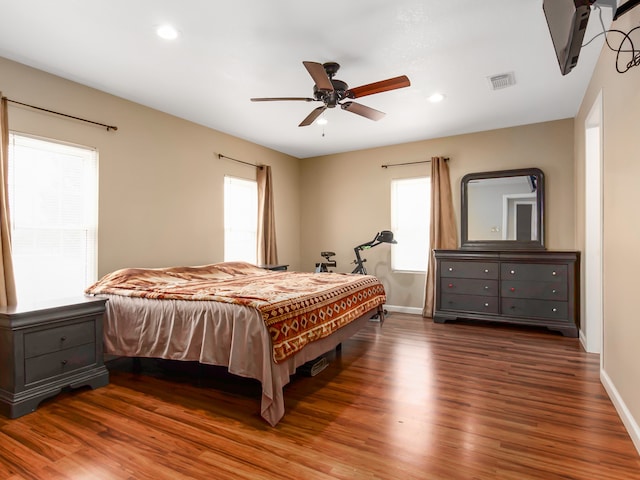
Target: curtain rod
pixel 239 161
pixel 108 127
pixel 408 163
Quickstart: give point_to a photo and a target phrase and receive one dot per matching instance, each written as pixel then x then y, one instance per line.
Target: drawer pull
pixel 512 289
pixel 63 338
pixel 486 305
pixel 63 362
pixel 512 272
pixel 554 291
pixel 486 270
pixel 451 269
pixel 450 285
pixel 486 287
pixel 554 310
pixel 553 273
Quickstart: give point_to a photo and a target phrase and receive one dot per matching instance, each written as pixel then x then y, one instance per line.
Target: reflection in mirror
pixel 503 210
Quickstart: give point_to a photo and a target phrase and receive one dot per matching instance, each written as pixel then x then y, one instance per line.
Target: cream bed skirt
pixel 213 333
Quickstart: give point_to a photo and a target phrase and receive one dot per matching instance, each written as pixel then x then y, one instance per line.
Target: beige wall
pixel 346 197
pixel 161 183
pixel 621 197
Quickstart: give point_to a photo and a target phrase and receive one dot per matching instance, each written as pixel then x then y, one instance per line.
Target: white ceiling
pixel 230 51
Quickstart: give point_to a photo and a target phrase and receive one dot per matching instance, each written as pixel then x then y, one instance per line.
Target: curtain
pixel 7 281
pixel 444 232
pixel 267 251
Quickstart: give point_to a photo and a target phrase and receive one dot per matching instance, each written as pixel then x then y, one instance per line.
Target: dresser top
pixel 510 255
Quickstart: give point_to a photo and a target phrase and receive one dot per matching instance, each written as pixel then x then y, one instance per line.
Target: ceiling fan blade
pixel 278 99
pixel 379 87
pixel 363 110
pixel 319 75
pixel 312 116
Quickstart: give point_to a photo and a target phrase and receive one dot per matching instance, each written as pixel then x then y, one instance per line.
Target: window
pixel 53 202
pixel 240 219
pixel 410 212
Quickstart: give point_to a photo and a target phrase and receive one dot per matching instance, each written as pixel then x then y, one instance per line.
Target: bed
pixel 260 324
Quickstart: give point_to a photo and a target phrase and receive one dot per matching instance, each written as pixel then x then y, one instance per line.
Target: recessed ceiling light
pixel 167 32
pixel 436 97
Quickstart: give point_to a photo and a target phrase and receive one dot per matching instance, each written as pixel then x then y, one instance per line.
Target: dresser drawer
pixel 534 272
pixel 534 290
pixel 469 303
pixel 54 339
pixel 487 270
pixel 59 363
pixel 519 307
pixel 464 286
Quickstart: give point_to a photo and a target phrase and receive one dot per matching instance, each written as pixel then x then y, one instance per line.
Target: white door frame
pixel 509 217
pixel 593 314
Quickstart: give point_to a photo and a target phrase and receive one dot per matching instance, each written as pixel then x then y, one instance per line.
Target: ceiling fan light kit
pixel 333 92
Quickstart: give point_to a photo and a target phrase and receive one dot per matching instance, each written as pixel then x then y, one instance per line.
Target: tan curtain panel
pixel 444 232
pixel 267 251
pixel 7 282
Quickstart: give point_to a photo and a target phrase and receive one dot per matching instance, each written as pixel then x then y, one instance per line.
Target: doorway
pixel 593 262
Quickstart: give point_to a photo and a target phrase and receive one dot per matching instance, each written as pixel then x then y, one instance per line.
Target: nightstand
pixel 47 347
pixel 274 267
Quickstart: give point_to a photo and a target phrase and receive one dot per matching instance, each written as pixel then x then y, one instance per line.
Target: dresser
pixel 47 347
pixel 538 288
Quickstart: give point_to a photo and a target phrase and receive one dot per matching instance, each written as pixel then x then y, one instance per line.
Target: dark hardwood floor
pixel 406 400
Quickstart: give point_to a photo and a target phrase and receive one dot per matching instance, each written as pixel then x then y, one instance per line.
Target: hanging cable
pixel 625 42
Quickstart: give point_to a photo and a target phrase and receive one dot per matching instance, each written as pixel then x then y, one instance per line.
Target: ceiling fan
pixel 333 92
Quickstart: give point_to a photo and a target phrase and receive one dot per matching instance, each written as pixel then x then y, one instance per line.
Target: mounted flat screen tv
pixel 567 21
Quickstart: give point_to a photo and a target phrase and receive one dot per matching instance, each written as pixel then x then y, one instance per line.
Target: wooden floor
pixel 408 400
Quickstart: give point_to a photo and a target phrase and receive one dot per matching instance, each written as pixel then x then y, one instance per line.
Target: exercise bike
pixel 324 266
pixel 385 236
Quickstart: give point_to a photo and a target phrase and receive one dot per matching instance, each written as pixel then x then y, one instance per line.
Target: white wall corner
pixel 629 422
pixel 399 309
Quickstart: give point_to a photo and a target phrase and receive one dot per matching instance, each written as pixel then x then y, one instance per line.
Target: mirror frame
pixel 467 244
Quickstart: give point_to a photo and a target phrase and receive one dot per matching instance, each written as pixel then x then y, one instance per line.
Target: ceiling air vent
pixel 503 80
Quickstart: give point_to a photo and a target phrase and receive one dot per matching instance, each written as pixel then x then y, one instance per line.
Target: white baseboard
pixel 625 415
pixel 398 309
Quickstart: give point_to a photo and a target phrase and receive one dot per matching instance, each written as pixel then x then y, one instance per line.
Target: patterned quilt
pixel 297 307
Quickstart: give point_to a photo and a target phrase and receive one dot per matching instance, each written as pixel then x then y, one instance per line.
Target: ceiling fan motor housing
pixel 329 98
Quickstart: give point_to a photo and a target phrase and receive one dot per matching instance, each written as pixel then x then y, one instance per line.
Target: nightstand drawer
pixel 59 363
pixel 54 339
pixel 470 303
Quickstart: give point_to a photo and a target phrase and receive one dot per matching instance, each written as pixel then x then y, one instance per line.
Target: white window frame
pixel 410 224
pixel 240 219
pixel 53 207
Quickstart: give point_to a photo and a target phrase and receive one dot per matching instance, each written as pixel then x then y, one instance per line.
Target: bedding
pixel 259 323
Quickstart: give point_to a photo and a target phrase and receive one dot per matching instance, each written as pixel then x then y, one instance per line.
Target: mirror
pixel 503 210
